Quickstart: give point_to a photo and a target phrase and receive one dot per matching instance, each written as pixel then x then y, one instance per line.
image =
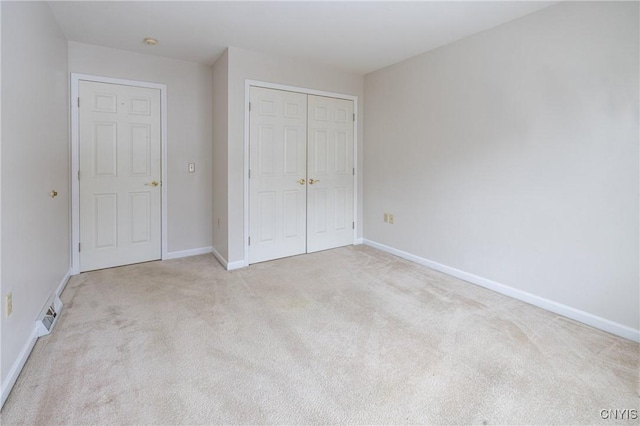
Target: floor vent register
pixel 49 316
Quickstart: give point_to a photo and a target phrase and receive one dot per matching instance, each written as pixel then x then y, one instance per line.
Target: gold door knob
pixel 301 181
pixel 54 193
pixel 153 183
pixel 312 181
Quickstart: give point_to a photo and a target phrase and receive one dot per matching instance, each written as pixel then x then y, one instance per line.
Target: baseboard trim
pixel 541 302
pixel 238 264
pixel 220 258
pixel 358 241
pixel 229 266
pixel 187 253
pixel 63 283
pixel 17 366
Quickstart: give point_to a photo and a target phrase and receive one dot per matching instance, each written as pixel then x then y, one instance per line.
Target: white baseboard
pixel 63 283
pixel 186 253
pixel 220 258
pixel 18 365
pixel 229 266
pixel 358 241
pixel 550 305
pixel 238 264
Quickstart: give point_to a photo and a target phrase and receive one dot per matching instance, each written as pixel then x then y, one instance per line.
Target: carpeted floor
pixel 351 335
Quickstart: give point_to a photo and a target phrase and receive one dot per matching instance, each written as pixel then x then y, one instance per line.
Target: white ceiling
pixel 360 36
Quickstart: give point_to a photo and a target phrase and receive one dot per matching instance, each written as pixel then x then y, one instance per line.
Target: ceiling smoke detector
pixel 150 41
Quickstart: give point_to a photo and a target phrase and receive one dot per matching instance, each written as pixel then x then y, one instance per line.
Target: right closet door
pixel 330 170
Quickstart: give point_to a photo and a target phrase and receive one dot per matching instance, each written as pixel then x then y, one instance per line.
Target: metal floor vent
pixel 49 316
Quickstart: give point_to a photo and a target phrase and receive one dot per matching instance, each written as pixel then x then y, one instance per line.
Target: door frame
pixel 75 158
pixel 266 85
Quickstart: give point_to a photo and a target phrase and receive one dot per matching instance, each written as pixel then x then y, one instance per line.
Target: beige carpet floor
pixel 351 335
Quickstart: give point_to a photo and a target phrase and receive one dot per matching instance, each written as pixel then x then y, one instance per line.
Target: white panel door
pixel 120 154
pixel 277 167
pixel 330 173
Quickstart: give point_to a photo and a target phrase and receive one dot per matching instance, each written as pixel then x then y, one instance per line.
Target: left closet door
pixel 277 173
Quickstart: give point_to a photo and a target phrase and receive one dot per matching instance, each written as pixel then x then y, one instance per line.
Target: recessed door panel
pixel 319 198
pixel 341 151
pixel 290 214
pixel 320 152
pixel 267 212
pixel 140 149
pixel 120 149
pixel 105 149
pixel 104 102
pixel 292 110
pixel 267 107
pixel 140 214
pixel 341 115
pixel 341 209
pixel 105 214
pixel 140 106
pixel 291 151
pixel 266 147
pixel 320 112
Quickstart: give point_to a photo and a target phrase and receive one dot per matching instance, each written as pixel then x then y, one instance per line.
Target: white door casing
pixel 330 171
pixel 119 161
pixel 278 155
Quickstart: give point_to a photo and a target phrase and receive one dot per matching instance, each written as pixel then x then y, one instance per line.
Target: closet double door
pixel 301 172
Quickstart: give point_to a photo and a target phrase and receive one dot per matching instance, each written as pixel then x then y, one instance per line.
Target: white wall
pixel 189 98
pixel 220 155
pixel 2 293
pixel 35 160
pixel 245 65
pixel 513 155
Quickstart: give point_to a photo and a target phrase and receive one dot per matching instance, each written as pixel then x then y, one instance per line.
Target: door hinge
pixel 249 106
pixel 78 101
pixel 78 247
pixel 78 174
pixel 354 171
pixel 249 173
pixel 353 225
pixel 249 240
pixel 354 118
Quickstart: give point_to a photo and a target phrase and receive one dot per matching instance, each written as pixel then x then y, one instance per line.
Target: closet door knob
pixel 301 181
pixel 312 181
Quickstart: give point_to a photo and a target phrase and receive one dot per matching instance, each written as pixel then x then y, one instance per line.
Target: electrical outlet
pixel 386 218
pixel 8 304
pixel 192 167
pixel 390 219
